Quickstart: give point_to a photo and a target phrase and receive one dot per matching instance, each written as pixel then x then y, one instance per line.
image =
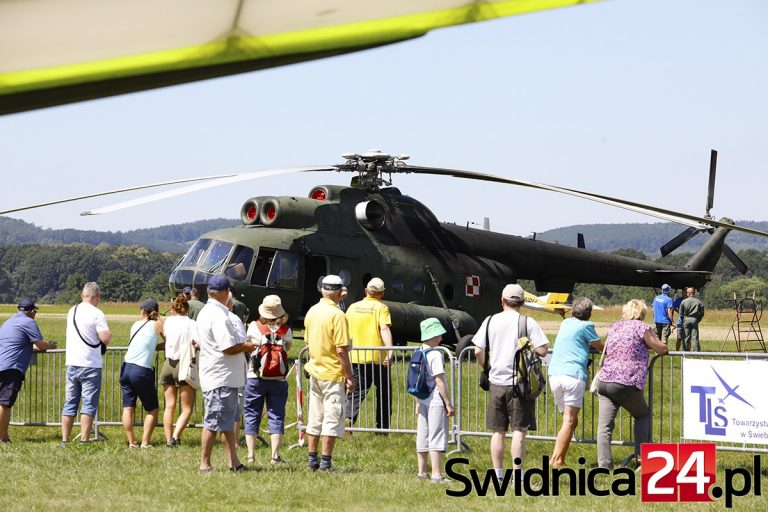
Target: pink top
pixel 626 356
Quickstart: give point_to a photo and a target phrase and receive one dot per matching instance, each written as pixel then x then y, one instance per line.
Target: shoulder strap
pixel 487 362
pixel 522 327
pixel 602 354
pixel 265 330
pixel 74 322
pixel 137 330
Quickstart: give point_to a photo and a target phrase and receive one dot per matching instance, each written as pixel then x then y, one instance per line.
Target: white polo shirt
pixel 216 334
pixel 90 321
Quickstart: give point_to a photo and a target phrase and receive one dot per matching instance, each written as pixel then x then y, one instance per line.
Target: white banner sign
pixel 725 401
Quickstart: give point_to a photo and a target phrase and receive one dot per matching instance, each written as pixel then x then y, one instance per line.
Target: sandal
pixel 278 460
pixel 250 460
pixel 203 471
pixel 239 468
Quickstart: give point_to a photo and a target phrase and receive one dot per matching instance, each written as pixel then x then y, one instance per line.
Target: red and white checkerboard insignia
pixel 472 288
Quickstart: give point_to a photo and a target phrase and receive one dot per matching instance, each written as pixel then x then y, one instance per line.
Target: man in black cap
pixel 18 335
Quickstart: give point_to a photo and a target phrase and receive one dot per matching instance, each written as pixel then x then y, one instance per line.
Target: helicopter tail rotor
pixel 692 231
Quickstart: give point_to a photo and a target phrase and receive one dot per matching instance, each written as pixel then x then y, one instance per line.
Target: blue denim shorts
pixel 221 409
pixel 82 383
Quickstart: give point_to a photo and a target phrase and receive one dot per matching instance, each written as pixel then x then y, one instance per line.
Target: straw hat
pixel 271 307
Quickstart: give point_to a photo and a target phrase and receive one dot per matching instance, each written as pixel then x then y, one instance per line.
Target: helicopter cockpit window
pixel 397 284
pixel 285 270
pixel 418 287
pixel 262 265
pixel 238 265
pixel 192 258
pixel 216 256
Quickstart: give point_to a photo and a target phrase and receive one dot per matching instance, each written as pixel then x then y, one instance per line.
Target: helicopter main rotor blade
pixel 711 186
pixel 737 262
pixel 237 178
pixel 118 191
pixel 678 240
pixel 654 211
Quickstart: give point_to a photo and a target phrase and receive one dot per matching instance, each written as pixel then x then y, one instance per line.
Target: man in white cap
pixel 369 326
pixel 663 312
pixel 327 337
pixel 500 333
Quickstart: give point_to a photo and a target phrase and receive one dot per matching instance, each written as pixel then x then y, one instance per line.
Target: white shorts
pixel 567 391
pixel 431 429
pixel 326 408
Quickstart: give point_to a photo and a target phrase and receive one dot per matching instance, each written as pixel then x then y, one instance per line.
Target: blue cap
pixel 187 290
pixel 218 283
pixel 27 305
pixel 666 288
pixel 150 305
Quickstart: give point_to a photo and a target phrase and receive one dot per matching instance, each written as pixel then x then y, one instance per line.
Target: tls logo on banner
pixel 725 401
pixel 472 289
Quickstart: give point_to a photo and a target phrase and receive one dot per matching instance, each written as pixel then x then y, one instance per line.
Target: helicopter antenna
pixel 371 167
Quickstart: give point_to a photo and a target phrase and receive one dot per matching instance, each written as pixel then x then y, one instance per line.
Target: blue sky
pixel 621 98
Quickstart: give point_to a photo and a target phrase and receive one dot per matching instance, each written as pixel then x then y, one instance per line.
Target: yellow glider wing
pixel 54 52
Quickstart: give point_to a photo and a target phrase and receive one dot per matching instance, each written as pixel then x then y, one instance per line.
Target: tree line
pixel 56 274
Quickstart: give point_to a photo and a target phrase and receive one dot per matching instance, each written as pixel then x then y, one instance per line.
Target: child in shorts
pixel 433 411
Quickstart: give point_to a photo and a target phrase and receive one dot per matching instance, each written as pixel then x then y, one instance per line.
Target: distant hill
pixel 648 238
pixel 172 238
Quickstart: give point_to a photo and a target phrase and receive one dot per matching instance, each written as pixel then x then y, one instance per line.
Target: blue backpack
pixel 418 372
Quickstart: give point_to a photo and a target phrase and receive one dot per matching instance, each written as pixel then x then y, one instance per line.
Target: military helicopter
pixel 285 245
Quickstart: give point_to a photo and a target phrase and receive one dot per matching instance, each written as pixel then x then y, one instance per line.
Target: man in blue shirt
pixel 17 336
pixel 663 312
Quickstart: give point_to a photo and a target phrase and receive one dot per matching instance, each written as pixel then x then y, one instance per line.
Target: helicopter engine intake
pixel 249 213
pixel 284 212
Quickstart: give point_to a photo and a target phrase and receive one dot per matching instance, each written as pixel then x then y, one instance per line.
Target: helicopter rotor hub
pixel 371 167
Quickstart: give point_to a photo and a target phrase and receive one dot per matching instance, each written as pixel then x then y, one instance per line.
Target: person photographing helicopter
pixel 327 337
pixel 369 326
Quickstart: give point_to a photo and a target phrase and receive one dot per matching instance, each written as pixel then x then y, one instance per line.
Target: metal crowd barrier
pixel 403 415
pixel 665 392
pixel 472 401
pixel 41 398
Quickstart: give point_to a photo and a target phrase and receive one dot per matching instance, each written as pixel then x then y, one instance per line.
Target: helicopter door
pixel 315 267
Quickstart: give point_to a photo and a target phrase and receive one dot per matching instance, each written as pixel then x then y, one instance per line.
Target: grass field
pixel 374 472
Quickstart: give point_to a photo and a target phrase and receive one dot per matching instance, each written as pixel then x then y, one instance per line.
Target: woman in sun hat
pixel 267 372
